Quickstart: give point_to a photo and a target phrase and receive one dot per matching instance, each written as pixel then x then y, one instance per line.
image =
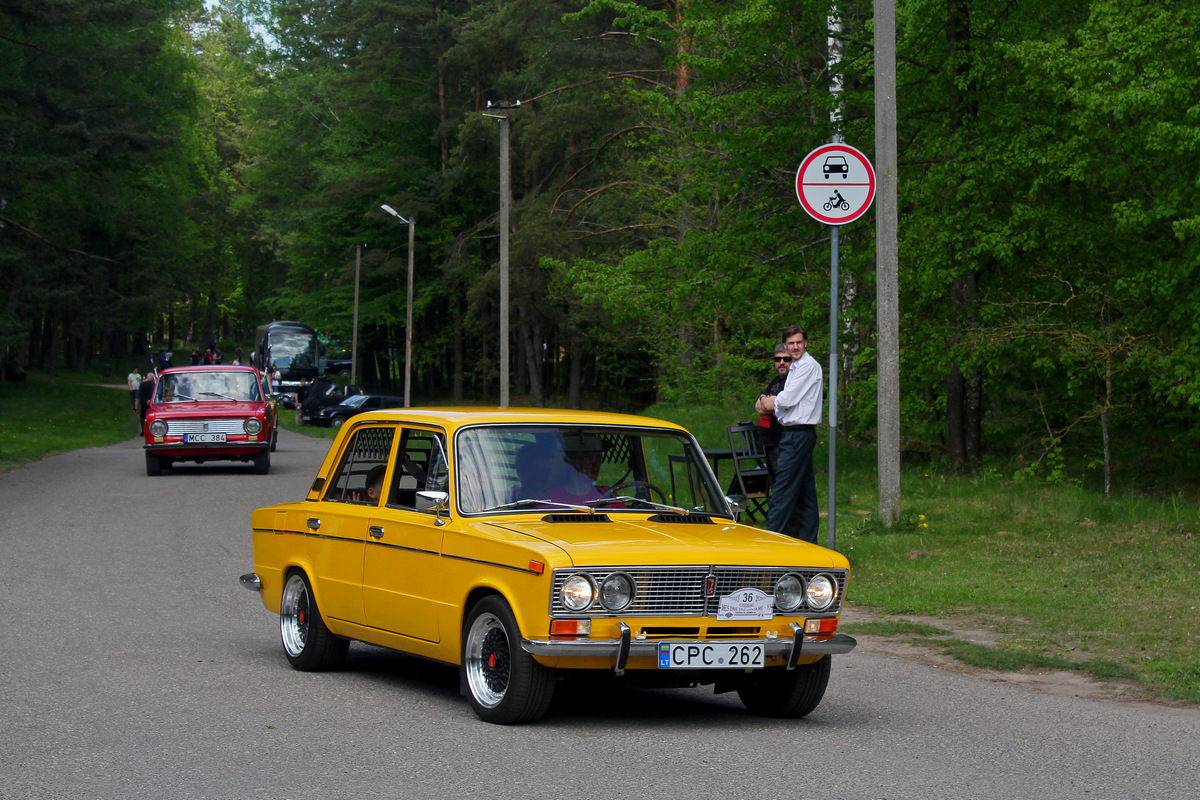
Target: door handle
pixel 376 531
pixel 314 523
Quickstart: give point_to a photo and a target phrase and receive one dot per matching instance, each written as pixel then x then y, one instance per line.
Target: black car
pixel 336 366
pixel 324 392
pixel 337 414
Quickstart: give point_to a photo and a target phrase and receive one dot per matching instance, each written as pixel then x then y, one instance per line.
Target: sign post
pixel 835 184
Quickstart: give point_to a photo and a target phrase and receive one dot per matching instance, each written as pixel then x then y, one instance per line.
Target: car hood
pixel 208 408
pixel 636 539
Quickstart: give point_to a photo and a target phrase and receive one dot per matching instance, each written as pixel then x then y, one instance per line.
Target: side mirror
pixel 735 503
pixel 436 502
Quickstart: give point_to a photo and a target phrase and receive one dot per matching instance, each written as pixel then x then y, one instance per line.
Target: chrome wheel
pixel 488 663
pixel 504 684
pixel 308 644
pixel 294 615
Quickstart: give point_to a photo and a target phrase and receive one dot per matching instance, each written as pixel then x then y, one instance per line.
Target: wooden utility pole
pixel 505 201
pixel 887 264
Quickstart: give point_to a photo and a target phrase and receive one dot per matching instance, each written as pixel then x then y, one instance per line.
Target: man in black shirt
pixel 770 429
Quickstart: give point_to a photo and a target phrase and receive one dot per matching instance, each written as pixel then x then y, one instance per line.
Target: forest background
pixel 173 174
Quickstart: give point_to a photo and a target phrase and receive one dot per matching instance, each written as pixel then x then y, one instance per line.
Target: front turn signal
pixel 570 627
pixel 821 626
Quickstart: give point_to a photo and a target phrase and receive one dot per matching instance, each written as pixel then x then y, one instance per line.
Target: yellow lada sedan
pixel 529 545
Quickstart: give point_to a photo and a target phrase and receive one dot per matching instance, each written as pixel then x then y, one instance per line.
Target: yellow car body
pixel 523 545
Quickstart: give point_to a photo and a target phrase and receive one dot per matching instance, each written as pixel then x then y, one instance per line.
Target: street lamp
pixel 412 224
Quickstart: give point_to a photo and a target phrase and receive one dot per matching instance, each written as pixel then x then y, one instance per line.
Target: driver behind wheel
pixel 561 471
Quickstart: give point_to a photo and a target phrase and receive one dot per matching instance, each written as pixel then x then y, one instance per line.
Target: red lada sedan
pixel 208 413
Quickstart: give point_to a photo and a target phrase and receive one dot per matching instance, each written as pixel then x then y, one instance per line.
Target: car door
pixel 401 572
pixel 338 525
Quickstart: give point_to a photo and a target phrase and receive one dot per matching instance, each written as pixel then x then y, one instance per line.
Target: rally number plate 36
pixel 711 655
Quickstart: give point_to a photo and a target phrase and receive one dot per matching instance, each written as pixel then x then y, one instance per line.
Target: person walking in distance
pixel 793 508
pixel 133 380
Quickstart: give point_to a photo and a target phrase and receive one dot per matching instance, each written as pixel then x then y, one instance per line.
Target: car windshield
pixel 354 401
pixel 293 349
pixel 207 385
pixel 606 468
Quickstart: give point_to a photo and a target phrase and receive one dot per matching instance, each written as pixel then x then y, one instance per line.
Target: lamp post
pixel 504 106
pixel 412 224
pixel 354 329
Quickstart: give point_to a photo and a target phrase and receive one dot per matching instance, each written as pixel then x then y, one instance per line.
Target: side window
pixel 419 466
pixel 359 478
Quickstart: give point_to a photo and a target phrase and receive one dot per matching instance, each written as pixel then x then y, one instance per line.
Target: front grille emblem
pixel 710 585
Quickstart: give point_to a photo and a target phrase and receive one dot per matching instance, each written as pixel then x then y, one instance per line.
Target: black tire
pixel 153 464
pixel 786 694
pixel 274 438
pixel 503 682
pixel 307 643
pixel 337 421
pixel 262 462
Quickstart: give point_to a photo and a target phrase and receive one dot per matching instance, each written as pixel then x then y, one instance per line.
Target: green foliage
pixel 192 173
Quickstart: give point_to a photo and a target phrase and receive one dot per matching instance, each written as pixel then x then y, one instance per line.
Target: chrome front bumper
pixel 624 648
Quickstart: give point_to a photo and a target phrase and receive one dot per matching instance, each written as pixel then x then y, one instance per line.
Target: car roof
pixel 207 368
pixel 461 416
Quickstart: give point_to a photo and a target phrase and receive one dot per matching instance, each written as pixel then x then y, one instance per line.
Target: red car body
pixel 209 413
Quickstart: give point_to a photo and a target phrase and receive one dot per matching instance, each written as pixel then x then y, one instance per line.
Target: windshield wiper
pixel 218 394
pixel 527 502
pixel 651 503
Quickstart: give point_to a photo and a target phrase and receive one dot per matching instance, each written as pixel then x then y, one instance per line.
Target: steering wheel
pixel 613 491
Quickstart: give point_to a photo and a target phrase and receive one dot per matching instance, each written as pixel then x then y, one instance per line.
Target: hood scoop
pixel 576 518
pixel 682 519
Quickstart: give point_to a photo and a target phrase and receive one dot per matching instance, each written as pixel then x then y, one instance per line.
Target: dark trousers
pixel 793 507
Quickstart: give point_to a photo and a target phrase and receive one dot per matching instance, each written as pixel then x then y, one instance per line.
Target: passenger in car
pixel 374 484
pixel 561 471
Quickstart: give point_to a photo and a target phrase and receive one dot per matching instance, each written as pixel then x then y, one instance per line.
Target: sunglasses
pixel 784 359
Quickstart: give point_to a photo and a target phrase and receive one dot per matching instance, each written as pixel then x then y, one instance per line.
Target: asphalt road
pixel 133 665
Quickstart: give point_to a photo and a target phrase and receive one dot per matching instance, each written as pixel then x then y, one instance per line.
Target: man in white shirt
pixel 793 508
pixel 133 380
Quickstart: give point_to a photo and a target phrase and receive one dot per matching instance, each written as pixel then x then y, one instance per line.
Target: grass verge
pixel 41 416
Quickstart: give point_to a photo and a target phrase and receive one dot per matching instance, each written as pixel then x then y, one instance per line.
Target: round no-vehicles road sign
pixel 835 184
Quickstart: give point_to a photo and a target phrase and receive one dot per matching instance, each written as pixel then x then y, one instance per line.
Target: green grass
pixel 1063 578
pixel 41 416
pixel 1058 573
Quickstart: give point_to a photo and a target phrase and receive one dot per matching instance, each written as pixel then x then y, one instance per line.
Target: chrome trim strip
pixel 406 548
pixel 490 563
pixel 251 582
pixel 838 644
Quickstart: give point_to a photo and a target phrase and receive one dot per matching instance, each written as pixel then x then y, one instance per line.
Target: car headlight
pixel 821 592
pixel 616 591
pixel 158 428
pixel 253 425
pixel 789 593
pixel 577 592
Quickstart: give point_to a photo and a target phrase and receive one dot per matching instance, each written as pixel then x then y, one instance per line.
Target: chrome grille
pixel 178 427
pixel 679 591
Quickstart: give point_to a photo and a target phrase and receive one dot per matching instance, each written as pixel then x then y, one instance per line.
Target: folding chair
pixel 749 469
